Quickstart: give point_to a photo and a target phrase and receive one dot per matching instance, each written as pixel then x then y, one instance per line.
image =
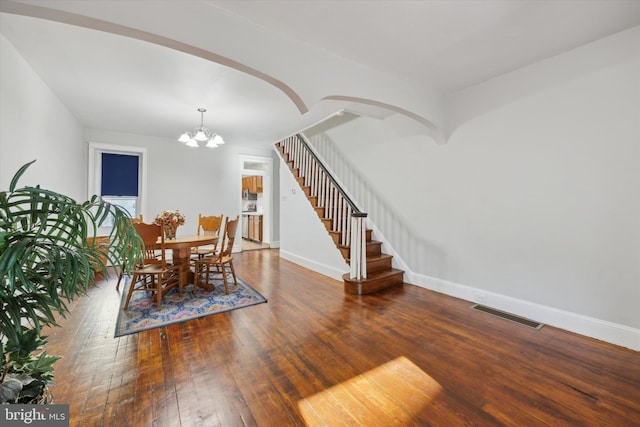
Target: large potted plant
pixel 49 254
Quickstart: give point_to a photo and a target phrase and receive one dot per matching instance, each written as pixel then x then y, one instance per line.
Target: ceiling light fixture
pixel 201 136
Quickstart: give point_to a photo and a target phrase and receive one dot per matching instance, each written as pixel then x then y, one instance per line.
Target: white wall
pixel 532 206
pixel 192 180
pixel 303 238
pixel 34 124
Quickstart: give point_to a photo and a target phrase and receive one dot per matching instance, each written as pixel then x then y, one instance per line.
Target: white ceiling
pixel 115 82
pixel 448 44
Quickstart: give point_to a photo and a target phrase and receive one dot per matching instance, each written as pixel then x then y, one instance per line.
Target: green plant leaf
pixel 47 257
pixel 43 365
pixel 18 174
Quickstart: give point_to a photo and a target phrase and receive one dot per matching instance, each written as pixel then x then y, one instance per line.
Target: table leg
pixel 182 258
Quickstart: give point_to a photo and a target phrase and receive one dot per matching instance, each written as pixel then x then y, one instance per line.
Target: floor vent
pixel 508 316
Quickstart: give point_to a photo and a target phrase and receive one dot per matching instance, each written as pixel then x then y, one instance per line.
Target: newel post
pixel 358 255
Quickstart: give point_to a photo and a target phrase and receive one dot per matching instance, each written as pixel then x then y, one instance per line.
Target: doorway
pixel 257 192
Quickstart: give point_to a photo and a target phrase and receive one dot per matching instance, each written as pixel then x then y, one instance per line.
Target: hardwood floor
pixel 250 245
pixel 315 356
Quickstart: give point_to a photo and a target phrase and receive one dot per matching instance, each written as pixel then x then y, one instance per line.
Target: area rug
pixel 142 313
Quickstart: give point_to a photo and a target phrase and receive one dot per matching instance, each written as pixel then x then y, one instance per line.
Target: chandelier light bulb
pixel 184 138
pixel 201 135
pixel 217 140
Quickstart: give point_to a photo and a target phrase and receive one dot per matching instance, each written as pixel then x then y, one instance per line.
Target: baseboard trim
pixel 624 336
pixel 323 269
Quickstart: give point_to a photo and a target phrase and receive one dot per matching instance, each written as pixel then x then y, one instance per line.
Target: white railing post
pixel 358 256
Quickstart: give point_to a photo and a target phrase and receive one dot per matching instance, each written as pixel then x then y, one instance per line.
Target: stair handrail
pixel 338 186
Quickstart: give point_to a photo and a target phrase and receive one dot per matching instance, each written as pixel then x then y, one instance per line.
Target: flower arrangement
pixel 170 217
pixel 170 220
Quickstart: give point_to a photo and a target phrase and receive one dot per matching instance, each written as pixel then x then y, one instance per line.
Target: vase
pixel 170 231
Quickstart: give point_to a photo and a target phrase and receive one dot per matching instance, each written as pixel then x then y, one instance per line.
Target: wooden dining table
pixel 181 251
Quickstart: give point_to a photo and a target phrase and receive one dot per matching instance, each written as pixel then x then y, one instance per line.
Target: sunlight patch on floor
pixel 391 394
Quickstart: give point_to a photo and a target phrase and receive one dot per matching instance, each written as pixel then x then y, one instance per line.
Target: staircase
pixel 371 270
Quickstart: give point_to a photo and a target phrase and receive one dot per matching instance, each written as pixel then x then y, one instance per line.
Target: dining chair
pixel 136 220
pixel 153 275
pixel 203 266
pixel 207 225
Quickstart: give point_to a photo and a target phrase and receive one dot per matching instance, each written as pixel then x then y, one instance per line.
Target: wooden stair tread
pixel 374 282
pixel 369 243
pixel 372 258
pixel 378 274
pixel 382 262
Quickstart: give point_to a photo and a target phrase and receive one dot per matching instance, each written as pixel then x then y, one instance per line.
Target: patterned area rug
pixel 142 313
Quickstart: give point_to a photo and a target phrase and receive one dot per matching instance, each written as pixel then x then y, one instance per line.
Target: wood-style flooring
pixel 315 356
pixel 250 245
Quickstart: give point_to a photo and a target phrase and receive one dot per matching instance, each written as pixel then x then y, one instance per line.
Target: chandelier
pixel 201 136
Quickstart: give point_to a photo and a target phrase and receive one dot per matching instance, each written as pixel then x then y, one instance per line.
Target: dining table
pixel 181 253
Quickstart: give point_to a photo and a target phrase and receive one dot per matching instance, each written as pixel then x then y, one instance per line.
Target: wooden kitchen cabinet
pixel 252 183
pixel 250 228
pixel 258 220
pixel 254 231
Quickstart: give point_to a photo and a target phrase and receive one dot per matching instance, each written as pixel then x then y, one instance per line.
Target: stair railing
pixel 408 248
pixel 345 217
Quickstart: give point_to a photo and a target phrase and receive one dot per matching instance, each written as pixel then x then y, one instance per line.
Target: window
pixel 117 174
pixel 119 181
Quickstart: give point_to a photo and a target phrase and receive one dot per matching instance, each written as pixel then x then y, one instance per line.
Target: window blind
pixel 119 175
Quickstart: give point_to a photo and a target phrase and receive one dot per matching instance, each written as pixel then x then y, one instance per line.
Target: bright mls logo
pixel 34 415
